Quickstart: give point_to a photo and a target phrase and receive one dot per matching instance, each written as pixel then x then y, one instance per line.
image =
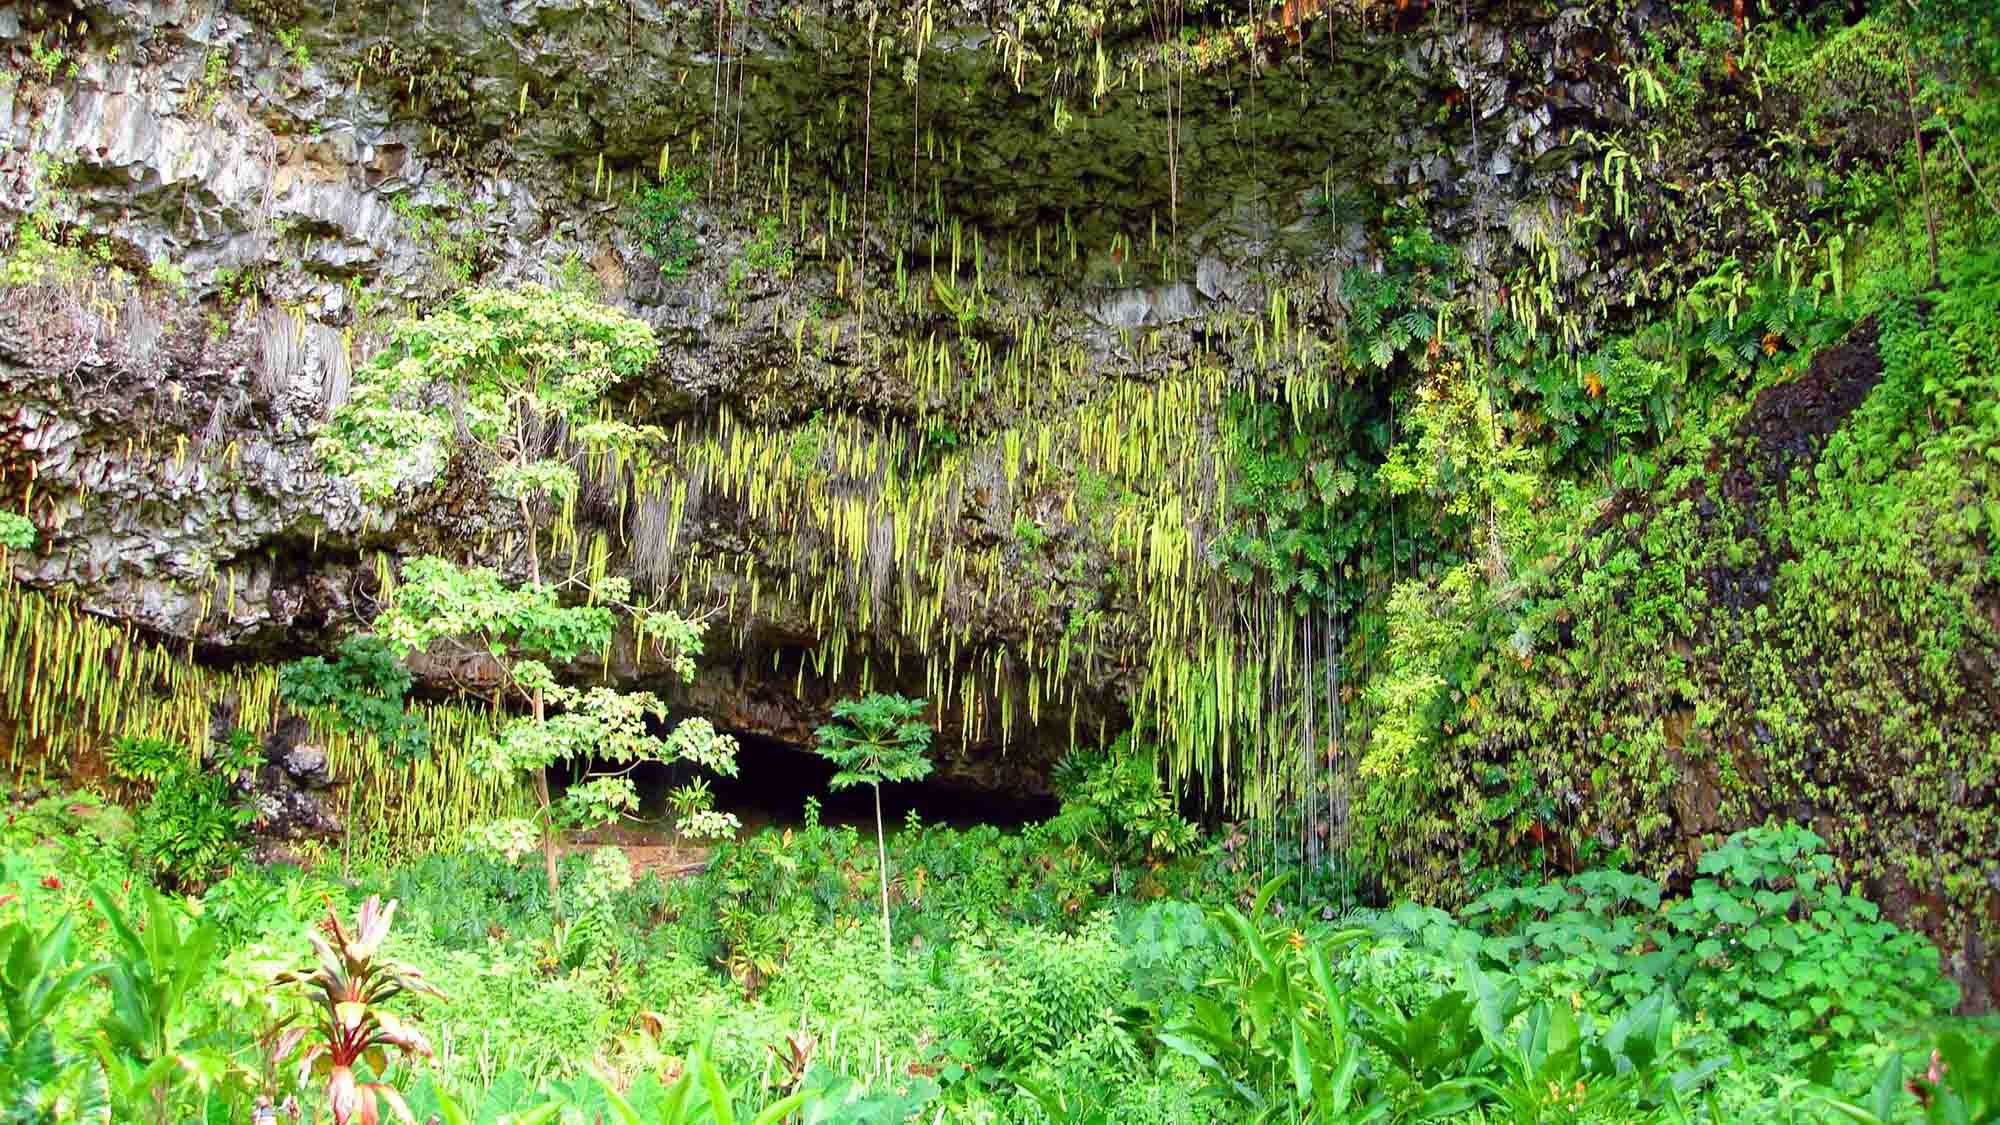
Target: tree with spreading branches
pixel 515 382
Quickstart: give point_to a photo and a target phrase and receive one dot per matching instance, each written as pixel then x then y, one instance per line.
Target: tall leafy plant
pixel 875 739
pixel 1276 1034
pixel 362 690
pixel 38 974
pixel 354 983
pixel 154 1042
pixel 516 381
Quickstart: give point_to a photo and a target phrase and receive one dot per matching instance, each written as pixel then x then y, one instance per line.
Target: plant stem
pixel 882 854
pixel 541 709
pixel 1966 163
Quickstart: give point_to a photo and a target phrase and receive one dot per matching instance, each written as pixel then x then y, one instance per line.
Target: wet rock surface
pixel 1790 422
pixel 292 793
pixel 1767 696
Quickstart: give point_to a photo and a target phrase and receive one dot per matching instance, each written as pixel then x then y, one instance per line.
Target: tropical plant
pixel 698 1095
pixel 354 1026
pixel 1429 1048
pixel 451 1111
pixel 154 1040
pixel 876 739
pixel 188 829
pixel 1113 800
pixel 1546 1061
pixel 1770 937
pixel 1030 994
pixel 1274 1032
pixel 506 372
pixel 1063 1107
pixel 38 1081
pixel 1959 1085
pixel 833 1098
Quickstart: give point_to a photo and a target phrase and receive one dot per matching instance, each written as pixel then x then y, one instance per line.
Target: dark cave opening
pixel 774 778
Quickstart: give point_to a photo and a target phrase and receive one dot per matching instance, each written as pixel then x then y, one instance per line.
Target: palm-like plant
pixel 879 738
pixel 354 983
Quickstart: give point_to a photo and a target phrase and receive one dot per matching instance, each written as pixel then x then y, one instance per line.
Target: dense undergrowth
pixel 1187 994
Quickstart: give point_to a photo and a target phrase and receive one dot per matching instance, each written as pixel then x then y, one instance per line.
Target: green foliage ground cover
pixel 1011 994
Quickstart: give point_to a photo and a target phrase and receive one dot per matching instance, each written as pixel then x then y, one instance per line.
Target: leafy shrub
pixel 251 902
pixel 364 687
pixel 145 759
pixel 975 876
pixel 590 931
pixel 509 1012
pixel 660 220
pixel 1779 949
pixel 464 900
pixel 16 532
pixel 1768 944
pixel 188 830
pixel 1169 949
pixel 766 252
pixel 1027 994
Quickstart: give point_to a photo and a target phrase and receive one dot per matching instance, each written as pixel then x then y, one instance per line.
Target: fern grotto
pixel 1110 562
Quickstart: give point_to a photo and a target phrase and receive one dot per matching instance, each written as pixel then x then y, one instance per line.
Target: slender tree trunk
pixel 882 853
pixel 541 716
pixel 347 833
pixel 548 823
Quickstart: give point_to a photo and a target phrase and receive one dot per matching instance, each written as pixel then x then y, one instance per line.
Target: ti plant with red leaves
pixel 354 983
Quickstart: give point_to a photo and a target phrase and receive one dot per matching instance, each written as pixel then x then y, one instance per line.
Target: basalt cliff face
pixel 299 175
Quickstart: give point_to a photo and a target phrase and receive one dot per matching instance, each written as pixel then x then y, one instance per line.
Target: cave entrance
pixel 774 778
